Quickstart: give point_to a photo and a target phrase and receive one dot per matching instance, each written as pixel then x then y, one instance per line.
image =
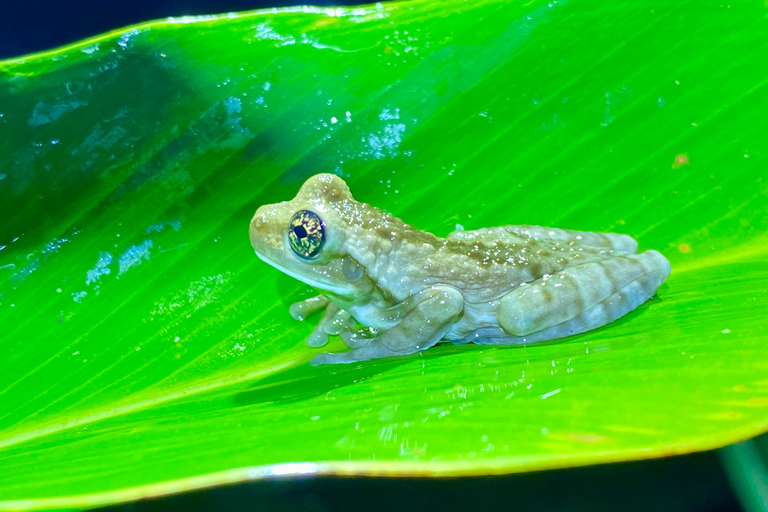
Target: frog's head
pixel 306 238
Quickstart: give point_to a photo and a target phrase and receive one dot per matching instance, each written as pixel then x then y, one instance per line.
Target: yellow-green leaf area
pixel 146 350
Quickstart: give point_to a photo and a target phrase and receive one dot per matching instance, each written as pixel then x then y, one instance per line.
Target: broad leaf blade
pixel 147 350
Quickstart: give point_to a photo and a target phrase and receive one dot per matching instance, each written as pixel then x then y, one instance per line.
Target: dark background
pixel 28 26
pixel 690 483
pixel 680 484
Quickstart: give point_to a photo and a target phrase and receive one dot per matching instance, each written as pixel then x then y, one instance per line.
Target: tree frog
pixel 410 289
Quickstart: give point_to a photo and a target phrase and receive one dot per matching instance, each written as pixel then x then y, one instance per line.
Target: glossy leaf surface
pixel 146 350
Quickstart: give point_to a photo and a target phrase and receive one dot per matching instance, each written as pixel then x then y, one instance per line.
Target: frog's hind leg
pixel 374 350
pixel 581 298
pixel 615 241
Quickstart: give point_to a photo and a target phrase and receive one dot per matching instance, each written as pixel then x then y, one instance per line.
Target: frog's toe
pixel 373 351
pixel 334 358
pixel 317 339
pixel 300 310
pixel 324 358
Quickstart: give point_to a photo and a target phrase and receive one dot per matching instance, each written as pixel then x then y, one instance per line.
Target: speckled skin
pixel 503 285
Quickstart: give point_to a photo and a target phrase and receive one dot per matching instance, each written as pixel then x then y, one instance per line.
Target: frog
pixel 389 289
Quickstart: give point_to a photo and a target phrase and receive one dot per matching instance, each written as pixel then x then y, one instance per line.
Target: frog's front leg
pixel 325 326
pixel 334 319
pixel 581 298
pixel 433 311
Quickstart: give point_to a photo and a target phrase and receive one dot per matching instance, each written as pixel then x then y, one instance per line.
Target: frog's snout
pixel 266 230
pixel 255 231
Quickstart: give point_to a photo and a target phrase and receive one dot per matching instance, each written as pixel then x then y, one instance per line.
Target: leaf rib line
pixel 393 469
pixel 142 404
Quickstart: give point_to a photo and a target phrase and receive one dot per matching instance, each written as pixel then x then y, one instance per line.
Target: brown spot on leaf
pixel 680 161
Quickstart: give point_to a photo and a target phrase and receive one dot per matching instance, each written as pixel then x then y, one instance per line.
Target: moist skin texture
pixel 505 285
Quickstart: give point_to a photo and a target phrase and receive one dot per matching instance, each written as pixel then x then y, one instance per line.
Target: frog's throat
pixel 338 290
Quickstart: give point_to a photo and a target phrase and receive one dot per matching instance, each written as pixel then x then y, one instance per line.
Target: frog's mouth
pixel 338 290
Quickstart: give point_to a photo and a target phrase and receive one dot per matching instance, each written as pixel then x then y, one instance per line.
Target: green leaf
pixel 146 350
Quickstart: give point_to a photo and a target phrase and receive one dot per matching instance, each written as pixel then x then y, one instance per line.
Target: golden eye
pixel 306 232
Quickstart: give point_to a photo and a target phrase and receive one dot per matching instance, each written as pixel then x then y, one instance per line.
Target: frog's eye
pixel 306 233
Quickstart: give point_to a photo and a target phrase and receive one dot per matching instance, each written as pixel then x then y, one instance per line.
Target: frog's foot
pixel 333 321
pixel 371 351
pixel 581 298
pixel 433 311
pixel 375 349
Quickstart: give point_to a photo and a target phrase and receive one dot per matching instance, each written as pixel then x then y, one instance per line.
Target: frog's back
pixel 622 244
pixel 577 281
pixel 488 263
